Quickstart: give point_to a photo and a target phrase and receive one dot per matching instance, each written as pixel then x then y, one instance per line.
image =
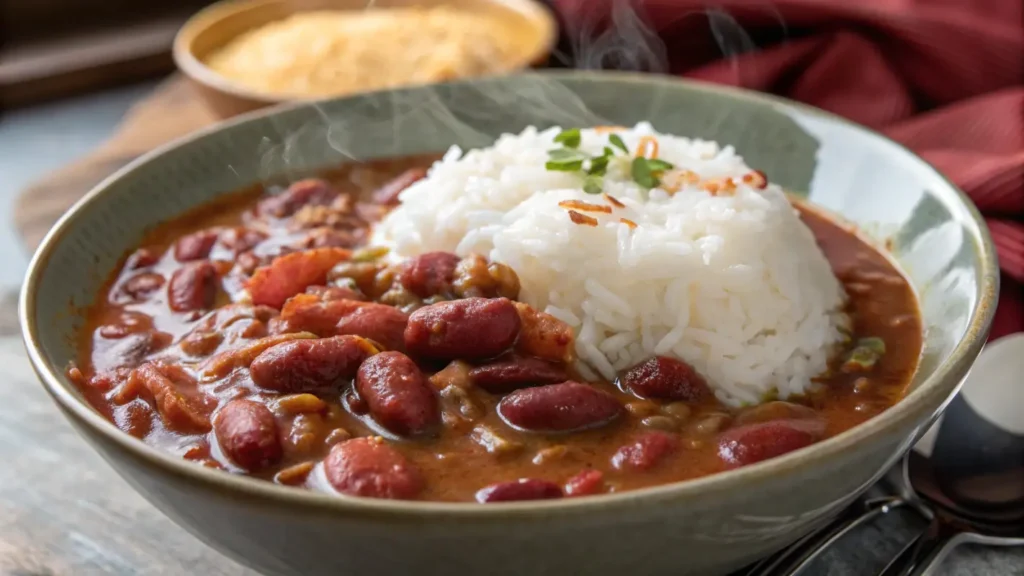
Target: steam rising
pixel 626 40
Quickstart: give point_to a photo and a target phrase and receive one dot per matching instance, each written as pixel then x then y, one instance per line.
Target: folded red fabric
pixel 944 77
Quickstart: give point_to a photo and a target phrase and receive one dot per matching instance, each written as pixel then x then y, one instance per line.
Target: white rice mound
pixel 734 284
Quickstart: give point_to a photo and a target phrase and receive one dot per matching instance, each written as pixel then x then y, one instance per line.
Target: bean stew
pixel 258 335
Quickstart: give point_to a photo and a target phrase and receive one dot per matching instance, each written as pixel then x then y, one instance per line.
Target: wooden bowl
pixel 218 24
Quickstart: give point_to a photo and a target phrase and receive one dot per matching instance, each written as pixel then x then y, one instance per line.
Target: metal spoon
pixel 970 467
pixel 993 362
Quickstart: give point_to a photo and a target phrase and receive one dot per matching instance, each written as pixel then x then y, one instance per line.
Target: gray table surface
pixel 63 511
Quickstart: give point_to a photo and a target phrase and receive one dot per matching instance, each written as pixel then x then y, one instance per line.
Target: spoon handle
pixel 794 559
pixel 920 552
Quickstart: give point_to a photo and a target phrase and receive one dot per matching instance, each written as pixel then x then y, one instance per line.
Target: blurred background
pixel 69 70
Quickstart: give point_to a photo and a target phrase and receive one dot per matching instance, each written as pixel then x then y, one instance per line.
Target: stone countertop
pixel 64 512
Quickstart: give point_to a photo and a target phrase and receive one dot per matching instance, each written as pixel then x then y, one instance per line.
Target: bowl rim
pixel 194 68
pixel 940 385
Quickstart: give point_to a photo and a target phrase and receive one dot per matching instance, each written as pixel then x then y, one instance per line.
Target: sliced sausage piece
pixel 180 406
pixel 471 328
pixel 429 274
pixel 561 407
pixel 247 434
pixel 311 191
pixel 192 287
pixel 308 365
pixel 522 489
pixel 195 246
pixel 372 468
pixel 291 273
pixel 756 442
pixel 585 483
pixel 666 379
pixel 645 452
pixel 512 373
pixel 545 336
pixel 397 394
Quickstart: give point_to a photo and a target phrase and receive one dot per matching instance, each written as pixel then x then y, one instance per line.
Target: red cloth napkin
pixel 944 77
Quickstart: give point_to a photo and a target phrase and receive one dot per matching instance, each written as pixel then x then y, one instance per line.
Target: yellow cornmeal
pixel 336 52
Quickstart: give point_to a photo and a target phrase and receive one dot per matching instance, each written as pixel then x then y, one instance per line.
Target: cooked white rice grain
pixel 734 283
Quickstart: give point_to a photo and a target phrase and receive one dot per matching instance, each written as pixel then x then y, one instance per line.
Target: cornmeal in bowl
pixel 324 53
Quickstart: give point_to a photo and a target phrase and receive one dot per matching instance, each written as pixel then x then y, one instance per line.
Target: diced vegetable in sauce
pixel 864 356
pixel 259 335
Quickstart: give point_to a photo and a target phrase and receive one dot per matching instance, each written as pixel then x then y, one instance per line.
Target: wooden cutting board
pixel 171 111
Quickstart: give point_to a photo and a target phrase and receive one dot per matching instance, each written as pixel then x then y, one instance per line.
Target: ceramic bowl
pixel 707 526
pixel 534 27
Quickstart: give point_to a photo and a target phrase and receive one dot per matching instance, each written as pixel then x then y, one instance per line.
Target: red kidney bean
pixel 141 258
pixel 645 452
pixel 522 489
pixel 559 408
pixel 329 237
pixel 140 286
pixel 463 329
pixel 756 442
pixel 311 191
pixel 131 349
pixel 388 193
pixel 195 246
pixel 382 324
pixel 508 374
pixel 192 287
pixel 241 239
pixel 667 379
pixel 777 410
pixel 429 274
pixel 127 323
pixel 397 394
pixel 247 434
pixel 307 365
pixel 372 468
pixel 585 483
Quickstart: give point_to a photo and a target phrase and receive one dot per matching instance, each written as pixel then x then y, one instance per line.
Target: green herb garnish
pixel 566 154
pixel 616 141
pixel 640 170
pixel 569 138
pixel 568 158
pixel 564 165
pixel 656 165
pixel 598 166
pixel 565 160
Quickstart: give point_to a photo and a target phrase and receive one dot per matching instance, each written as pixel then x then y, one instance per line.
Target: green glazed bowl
pixel 707 526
